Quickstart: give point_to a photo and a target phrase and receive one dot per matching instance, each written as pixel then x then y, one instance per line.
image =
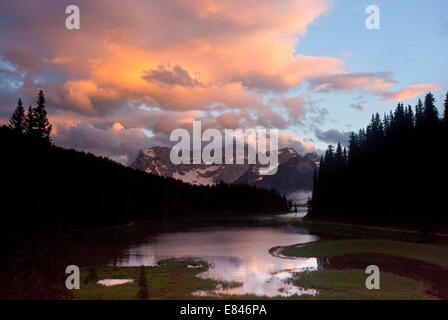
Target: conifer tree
pixel 430 113
pixel 445 112
pixel 143 285
pixel 17 121
pixel 419 114
pixel 30 123
pixel 353 148
pixel 43 126
pixel 339 154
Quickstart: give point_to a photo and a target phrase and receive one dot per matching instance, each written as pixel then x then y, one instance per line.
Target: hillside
pixel 80 189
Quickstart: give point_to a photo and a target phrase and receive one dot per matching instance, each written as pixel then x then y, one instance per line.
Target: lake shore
pixel 342 255
pixel 171 279
pixel 396 252
pixel 343 230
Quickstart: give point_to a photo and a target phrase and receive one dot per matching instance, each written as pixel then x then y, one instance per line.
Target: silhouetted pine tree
pixel 430 115
pixel 17 122
pixel 339 155
pixel 445 113
pixel 43 126
pixel 353 149
pixel 419 118
pixel 143 292
pixel 30 123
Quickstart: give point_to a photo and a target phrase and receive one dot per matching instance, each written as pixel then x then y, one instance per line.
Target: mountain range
pixel 294 173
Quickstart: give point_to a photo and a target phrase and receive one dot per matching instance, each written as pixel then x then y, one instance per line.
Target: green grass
pixel 327 249
pixel 171 280
pixel 350 285
pixel 360 231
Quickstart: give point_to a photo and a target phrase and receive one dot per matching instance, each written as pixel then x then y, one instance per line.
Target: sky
pixel 137 70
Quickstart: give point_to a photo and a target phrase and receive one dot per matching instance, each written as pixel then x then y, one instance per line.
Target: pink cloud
pixel 208 60
pixel 372 82
pixel 286 139
pixel 410 92
pixel 213 52
pixel 379 83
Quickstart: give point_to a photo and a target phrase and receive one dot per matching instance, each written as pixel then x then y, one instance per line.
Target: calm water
pixel 237 252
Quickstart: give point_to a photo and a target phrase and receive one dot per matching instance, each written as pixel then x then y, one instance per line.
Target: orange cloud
pixel 157 65
pixel 411 91
pixel 231 48
pixel 379 83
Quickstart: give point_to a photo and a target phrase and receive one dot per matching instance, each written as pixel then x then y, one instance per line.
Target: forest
pixel 84 190
pixel 50 191
pixel 393 171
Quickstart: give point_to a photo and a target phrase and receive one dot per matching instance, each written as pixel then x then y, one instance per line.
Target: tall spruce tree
pixel 43 126
pixel 17 122
pixel 339 154
pixel 445 112
pixel 30 123
pixel 353 148
pixel 430 113
pixel 419 114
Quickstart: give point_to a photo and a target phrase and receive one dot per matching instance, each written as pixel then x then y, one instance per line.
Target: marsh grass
pixel 171 279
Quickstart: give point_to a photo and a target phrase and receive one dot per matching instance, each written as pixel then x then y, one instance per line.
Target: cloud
pixel 372 82
pixel 296 106
pixel 358 105
pixel 333 136
pixel 229 120
pixel 286 139
pixel 221 52
pixel 379 83
pixel 410 92
pixel 163 64
pixel 176 76
pixel 116 142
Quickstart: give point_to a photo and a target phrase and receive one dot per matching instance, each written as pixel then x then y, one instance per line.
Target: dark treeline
pixel 49 190
pixel 395 170
pixel 84 190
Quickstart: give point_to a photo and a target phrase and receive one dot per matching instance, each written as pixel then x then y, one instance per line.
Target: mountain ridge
pixel 294 172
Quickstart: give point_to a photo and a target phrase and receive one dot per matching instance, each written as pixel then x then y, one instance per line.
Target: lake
pixel 237 249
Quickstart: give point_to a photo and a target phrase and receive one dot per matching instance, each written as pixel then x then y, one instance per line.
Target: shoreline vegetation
pixel 350 248
pixel 409 270
pixel 175 279
pixel 342 229
pixel 169 279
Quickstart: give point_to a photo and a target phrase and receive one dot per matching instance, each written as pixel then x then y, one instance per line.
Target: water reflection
pixel 238 254
pixel 114 282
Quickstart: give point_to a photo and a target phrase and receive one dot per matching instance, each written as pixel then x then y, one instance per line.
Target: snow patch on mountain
pixel 294 171
pixel 194 177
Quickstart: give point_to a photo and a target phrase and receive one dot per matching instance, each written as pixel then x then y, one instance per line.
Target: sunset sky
pixel 138 69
